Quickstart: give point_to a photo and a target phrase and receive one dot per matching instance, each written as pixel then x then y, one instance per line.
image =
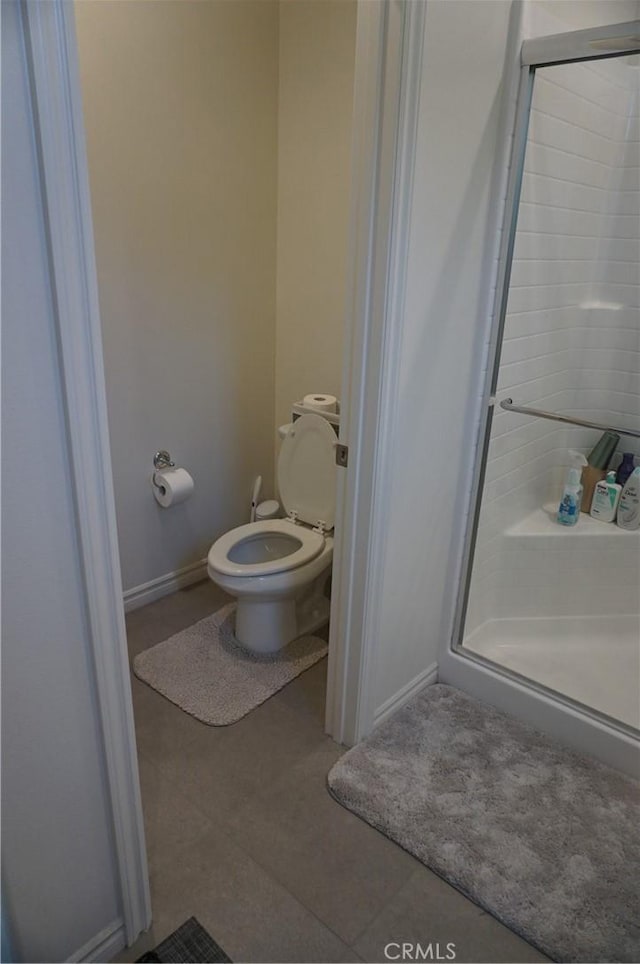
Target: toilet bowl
pixel 277 569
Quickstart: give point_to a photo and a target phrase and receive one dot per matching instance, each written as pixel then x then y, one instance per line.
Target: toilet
pixel 277 568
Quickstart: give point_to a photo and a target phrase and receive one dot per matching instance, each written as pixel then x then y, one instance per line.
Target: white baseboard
pixel 147 592
pixel 104 946
pixel 425 678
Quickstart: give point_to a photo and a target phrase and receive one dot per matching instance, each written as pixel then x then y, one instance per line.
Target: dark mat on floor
pixel 190 944
pixel 546 840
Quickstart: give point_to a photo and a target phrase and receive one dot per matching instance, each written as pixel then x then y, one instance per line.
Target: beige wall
pixel 180 106
pixel 317 59
pixel 219 143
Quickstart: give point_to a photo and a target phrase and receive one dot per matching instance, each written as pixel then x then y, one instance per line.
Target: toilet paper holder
pixel 161 460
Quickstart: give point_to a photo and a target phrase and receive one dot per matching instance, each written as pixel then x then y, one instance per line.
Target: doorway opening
pixel 219 152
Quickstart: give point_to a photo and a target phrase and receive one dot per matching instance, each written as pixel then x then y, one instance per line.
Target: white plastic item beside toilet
pixel 269 509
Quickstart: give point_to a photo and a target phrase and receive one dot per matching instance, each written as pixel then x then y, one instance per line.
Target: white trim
pixel 148 592
pixel 55 85
pixel 614 39
pixel 393 329
pixel 551 714
pixel 346 631
pixel 419 682
pixel 103 946
pixel 388 70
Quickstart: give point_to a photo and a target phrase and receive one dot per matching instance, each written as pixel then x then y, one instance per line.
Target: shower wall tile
pixel 550 247
pixel 538 297
pixel 545 219
pixel 629 178
pixel 566 104
pixel 551 162
pixel 585 83
pixel 575 136
pixel 539 189
pixel 633 130
pixel 552 271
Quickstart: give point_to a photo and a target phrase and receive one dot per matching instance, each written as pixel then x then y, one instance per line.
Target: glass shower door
pixel 560 605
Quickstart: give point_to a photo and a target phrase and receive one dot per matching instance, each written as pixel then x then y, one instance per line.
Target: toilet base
pixel 267 625
pixel 313 616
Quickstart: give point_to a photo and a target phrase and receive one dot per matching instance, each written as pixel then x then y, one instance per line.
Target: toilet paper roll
pixel 171 486
pixel 321 403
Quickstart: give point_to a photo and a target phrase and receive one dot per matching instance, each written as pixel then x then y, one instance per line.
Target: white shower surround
pixel 567 640
pixel 598 380
pixel 572 345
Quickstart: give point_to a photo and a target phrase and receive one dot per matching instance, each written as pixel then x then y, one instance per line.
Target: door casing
pixel 388 66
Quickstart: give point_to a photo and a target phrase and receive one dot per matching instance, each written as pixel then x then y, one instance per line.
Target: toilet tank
pixel 299 408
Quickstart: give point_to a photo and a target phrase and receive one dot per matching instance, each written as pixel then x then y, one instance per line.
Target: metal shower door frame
pixel 613 40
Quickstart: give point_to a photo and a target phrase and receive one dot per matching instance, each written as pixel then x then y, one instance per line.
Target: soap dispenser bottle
pixel 569 508
pixel 598 463
pixel 629 505
pixel 605 498
pixel 625 468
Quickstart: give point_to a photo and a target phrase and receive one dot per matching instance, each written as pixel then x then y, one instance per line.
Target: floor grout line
pixel 269 871
pixel 227 827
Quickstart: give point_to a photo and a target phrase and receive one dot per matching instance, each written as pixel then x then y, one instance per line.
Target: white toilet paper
pixel 322 403
pixel 172 486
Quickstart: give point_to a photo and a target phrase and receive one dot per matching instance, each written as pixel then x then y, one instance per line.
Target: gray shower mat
pixel 207 673
pixel 546 840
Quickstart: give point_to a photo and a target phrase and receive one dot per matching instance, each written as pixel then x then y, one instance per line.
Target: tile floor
pixel 242 833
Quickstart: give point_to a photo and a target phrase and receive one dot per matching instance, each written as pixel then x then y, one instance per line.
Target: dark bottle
pixel 625 468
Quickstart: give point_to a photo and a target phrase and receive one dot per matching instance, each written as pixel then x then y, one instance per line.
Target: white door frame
pixel 389 47
pixel 388 68
pixel 55 88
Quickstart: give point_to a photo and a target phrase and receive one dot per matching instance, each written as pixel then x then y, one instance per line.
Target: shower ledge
pixel 542 522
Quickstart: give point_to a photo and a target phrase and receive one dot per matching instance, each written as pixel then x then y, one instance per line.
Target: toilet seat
pixel 307 471
pixel 306 544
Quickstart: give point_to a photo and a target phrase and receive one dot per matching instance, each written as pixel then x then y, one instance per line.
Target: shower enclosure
pixel 549 616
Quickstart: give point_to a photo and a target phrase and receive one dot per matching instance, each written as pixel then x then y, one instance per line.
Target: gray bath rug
pixel 205 671
pixel 544 839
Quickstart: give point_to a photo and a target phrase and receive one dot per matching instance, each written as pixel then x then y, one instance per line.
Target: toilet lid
pixel 307 470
